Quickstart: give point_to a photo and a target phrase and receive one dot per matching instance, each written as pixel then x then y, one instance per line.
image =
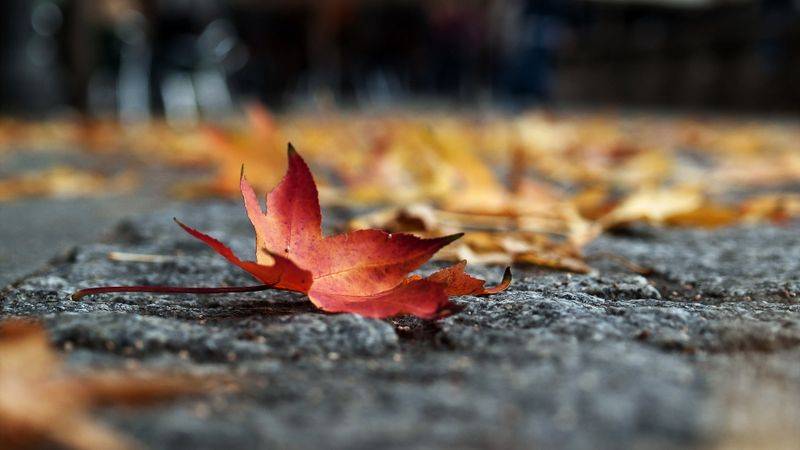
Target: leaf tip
pixel 504 284
pixel 506 277
pixel 180 224
pixel 451 238
pixel 290 150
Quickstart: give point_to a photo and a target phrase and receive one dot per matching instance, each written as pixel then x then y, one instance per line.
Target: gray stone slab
pixel 611 360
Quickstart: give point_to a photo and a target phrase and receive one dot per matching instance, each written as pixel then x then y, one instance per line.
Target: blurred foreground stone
pixel 704 352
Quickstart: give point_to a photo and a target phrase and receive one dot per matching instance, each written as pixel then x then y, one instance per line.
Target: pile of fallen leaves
pixel 532 188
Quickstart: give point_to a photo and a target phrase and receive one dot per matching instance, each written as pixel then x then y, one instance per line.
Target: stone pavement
pixel 704 352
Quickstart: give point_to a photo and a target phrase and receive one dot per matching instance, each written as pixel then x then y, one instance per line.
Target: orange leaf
pixel 459 283
pixel 43 404
pixel 419 297
pixel 363 271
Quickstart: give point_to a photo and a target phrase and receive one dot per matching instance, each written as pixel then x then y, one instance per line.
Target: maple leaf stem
pixel 168 290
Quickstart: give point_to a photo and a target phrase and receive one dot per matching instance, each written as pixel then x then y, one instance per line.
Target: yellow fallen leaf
pixel 654 205
pixel 65 182
pixel 44 404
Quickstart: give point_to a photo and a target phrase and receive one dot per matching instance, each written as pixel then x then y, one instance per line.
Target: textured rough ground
pixel 66 222
pixel 703 352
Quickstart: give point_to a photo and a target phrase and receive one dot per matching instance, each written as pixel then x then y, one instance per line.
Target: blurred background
pixel 191 59
pixel 535 125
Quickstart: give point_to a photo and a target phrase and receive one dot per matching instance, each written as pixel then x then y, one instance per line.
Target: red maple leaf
pixel 363 272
